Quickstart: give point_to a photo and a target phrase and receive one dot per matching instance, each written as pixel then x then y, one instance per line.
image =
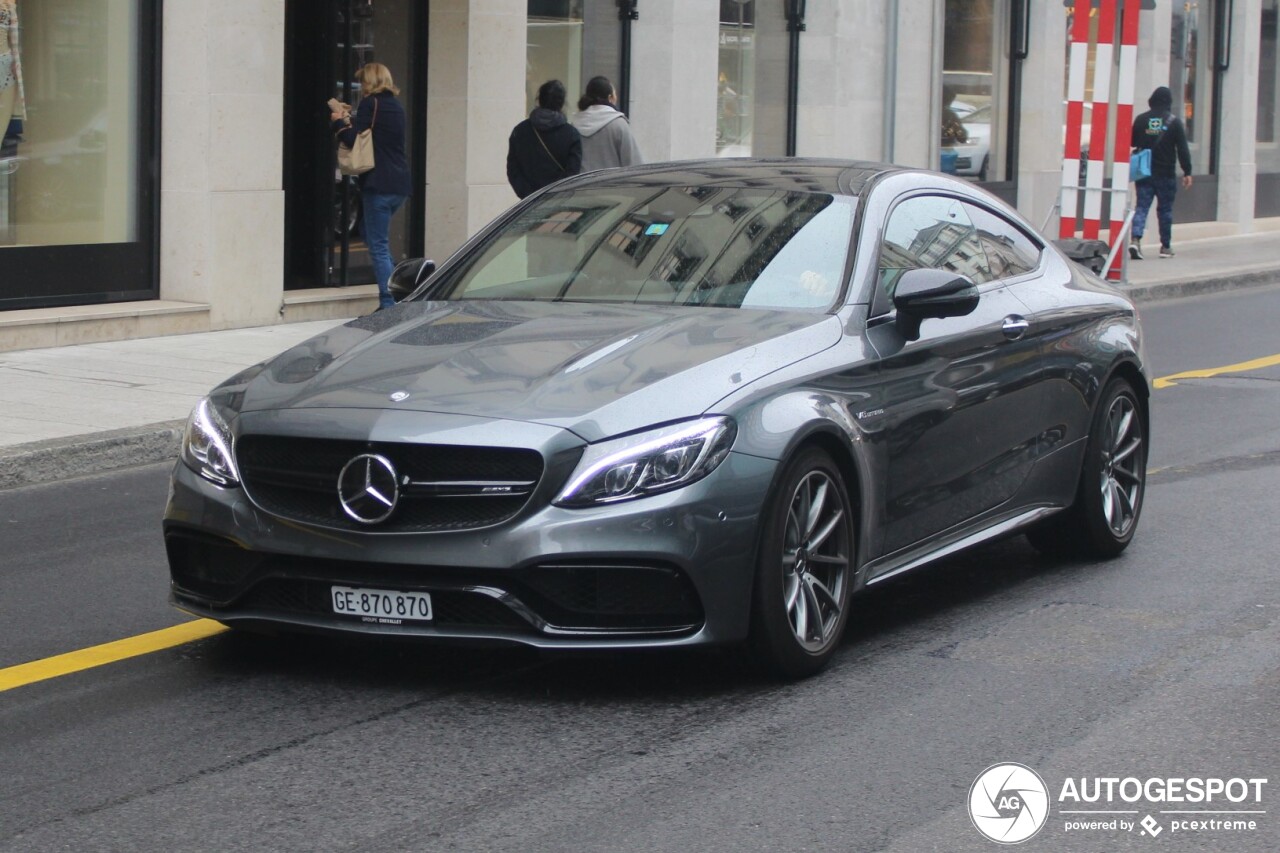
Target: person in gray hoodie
pixel 606 136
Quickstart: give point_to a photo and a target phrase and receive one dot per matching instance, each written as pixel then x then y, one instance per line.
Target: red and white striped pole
pixel 1103 58
pixel 1124 129
pixel 1076 70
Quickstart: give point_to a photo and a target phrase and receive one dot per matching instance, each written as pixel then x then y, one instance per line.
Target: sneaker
pixel 1135 250
pixel 1166 251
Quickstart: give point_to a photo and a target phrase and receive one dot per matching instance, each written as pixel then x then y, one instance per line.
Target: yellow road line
pixel 1166 381
pixel 40 670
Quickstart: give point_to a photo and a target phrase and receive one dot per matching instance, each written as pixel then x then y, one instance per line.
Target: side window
pixel 1009 251
pixel 929 232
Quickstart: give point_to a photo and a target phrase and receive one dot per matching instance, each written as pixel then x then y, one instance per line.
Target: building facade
pixel 170 166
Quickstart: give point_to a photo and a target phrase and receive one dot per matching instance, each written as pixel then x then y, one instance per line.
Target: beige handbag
pixel 358 159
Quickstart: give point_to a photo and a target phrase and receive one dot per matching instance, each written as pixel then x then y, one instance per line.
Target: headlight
pixel 649 462
pixel 206 445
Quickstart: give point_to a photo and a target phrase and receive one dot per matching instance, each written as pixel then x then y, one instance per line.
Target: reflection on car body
pixel 673 405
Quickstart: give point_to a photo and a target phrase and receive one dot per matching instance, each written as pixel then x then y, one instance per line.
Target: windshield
pixel 727 247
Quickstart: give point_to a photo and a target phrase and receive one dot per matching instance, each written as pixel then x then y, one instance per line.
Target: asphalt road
pixel 1162 663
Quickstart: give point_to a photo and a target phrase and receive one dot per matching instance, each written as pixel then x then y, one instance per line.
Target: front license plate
pixel 382 606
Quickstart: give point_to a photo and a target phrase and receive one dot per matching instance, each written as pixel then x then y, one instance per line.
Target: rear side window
pixel 1009 251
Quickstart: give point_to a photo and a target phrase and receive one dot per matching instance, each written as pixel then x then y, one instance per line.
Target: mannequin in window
pixel 953 131
pixel 12 100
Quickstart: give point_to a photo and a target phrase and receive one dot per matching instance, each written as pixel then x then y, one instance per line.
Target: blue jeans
pixel 1163 190
pixel 378 210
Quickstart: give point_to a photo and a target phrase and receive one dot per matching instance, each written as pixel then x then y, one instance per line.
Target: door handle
pixel 1015 327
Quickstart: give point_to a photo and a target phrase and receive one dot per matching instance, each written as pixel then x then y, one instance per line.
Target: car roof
pixel 801 174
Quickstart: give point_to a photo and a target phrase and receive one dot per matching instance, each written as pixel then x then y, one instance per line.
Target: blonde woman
pixel 383 189
pixel 12 100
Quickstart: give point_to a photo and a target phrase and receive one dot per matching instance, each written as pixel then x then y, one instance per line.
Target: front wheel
pixel 804 569
pixel 1104 517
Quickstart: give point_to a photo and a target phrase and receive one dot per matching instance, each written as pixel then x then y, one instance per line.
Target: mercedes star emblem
pixel 399 396
pixel 367 488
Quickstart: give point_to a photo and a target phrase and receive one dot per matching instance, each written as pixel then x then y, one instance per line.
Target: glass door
pixel 326 42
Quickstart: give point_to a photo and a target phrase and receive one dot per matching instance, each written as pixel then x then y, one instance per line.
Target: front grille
pixel 297 478
pixel 600 596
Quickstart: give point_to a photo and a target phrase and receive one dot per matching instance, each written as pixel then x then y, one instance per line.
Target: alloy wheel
pixel 1122 468
pixel 815 561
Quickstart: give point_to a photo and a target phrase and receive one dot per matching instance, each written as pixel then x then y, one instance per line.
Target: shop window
pixel 77 191
pixel 69 107
pixel 571 41
pixel 735 118
pixel 974 88
pixel 1268 90
pixel 1267 156
pixel 1190 77
pixel 751 95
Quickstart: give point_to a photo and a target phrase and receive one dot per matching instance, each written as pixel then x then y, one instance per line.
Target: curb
pixel 1249 278
pixel 78 456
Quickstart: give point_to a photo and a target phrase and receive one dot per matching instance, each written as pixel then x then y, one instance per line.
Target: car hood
pixel 596 369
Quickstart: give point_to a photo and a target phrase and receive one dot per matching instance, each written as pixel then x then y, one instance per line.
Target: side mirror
pixel 408 276
pixel 924 293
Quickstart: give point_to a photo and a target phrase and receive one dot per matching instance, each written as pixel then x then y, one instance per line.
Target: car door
pixel 958 409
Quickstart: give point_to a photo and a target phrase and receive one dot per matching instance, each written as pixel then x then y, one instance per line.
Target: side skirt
pixel 1001 526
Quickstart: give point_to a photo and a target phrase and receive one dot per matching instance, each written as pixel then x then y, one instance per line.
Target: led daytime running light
pixel 664 459
pixel 206 445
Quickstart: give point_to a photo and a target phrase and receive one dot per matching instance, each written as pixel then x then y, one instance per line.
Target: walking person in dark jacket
pixel 1158 130
pixel 544 147
pixel 384 188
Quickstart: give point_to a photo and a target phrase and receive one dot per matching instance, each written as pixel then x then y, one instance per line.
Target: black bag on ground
pixel 1090 254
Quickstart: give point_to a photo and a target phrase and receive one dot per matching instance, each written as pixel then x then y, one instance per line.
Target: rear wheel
pixel 1113 481
pixel 804 570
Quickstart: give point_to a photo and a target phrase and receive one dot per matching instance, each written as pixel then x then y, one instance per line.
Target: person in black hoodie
pixel 1158 130
pixel 544 147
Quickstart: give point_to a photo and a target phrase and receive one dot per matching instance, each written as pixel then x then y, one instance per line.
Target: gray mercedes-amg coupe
pixel 672 405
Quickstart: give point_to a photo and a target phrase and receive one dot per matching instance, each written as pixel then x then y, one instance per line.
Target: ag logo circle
pixel 1008 803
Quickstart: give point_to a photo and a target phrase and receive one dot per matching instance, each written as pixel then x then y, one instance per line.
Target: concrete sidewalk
pixel 75 410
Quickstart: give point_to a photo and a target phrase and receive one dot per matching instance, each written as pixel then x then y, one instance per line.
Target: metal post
pixel 627 13
pixel 344 252
pixel 795 26
pixel 1118 243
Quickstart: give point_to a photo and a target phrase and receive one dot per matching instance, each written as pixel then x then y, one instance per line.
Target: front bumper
pixel 668 570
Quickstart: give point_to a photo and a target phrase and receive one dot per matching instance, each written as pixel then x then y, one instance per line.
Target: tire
pixel 1113 483
pixel 805 565
pixel 982 173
